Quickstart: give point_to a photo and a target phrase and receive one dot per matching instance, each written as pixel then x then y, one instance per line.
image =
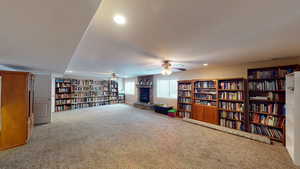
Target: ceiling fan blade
pixel 181 69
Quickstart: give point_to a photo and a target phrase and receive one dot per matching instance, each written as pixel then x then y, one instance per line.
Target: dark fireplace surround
pixel 145 89
pixel 144 95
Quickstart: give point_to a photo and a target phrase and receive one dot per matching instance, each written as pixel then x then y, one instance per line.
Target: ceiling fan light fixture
pixel 113 77
pixel 166 71
pixel 205 64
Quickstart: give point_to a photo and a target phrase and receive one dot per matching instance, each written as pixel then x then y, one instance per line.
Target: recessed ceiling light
pixel 205 64
pixel 119 19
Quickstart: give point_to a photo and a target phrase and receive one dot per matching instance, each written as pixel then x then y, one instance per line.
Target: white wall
pixel 131 99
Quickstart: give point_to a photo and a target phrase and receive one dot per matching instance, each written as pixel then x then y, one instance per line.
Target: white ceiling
pixel 210 31
pixel 45 34
pixel 42 35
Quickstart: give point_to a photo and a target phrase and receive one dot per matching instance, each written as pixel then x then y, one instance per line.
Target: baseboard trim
pixel 230 131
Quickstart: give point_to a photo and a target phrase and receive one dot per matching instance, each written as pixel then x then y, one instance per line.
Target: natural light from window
pixel 129 88
pixel 166 88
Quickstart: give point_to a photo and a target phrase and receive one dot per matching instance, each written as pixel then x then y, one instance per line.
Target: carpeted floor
pixel 120 136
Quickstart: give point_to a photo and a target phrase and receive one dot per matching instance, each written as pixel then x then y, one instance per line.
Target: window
pixel 167 88
pixel 129 88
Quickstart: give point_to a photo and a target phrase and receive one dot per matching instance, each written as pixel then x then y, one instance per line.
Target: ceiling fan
pixel 167 68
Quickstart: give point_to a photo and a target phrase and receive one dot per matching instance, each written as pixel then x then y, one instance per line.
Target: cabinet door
pixel 198 112
pixel 211 115
pixel 14 102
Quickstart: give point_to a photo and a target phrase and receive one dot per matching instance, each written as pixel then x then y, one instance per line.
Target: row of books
pixel 231 95
pixel 185 87
pixel 82 82
pixel 62 84
pixel 184 93
pixel 207 103
pixel 62 96
pixel 58 80
pixel 205 84
pixel 232 115
pixel 63 90
pixel 232 124
pixel 205 96
pixel 267 85
pixel 267 120
pixel 266 131
pixel 268 96
pixel 184 114
pixel 207 91
pixel 267 108
pixel 184 100
pixel 231 106
pixel 89 94
pixel 185 107
pixel 231 85
pixel 64 101
pixel 62 108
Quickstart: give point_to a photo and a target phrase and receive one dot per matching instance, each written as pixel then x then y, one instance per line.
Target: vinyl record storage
pixel 73 94
pixel 255 104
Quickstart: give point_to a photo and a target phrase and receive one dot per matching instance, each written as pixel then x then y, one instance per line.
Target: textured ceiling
pixel 190 31
pixel 38 35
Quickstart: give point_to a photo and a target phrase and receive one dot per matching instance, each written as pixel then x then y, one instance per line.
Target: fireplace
pixel 144 95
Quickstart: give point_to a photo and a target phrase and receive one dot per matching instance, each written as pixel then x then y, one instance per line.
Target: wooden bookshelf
pixel 184 99
pixel 232 103
pixel 266 100
pixel 205 92
pixel 205 101
pixel 76 94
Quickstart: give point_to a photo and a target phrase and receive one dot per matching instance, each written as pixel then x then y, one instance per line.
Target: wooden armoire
pixel 16 116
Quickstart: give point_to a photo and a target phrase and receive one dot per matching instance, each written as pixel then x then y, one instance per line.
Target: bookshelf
pixel 205 101
pixel 114 93
pixel 184 100
pixel 205 92
pixel 63 99
pixel 266 97
pixel 73 94
pixel 232 103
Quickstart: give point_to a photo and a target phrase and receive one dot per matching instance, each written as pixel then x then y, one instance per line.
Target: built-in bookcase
pixel 266 90
pixel 63 99
pixel 76 94
pixel 205 92
pixel 232 103
pixel 114 96
pixel 184 102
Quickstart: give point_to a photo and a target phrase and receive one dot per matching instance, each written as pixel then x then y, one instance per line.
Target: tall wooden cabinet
pixel 16 108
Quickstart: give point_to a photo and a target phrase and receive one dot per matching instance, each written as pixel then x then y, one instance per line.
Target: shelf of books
pixel 184 102
pixel 114 96
pixel 62 94
pixel 205 92
pixel 266 91
pixel 231 103
pixel 76 94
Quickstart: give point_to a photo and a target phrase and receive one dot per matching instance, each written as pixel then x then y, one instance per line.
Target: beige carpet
pixel 119 136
